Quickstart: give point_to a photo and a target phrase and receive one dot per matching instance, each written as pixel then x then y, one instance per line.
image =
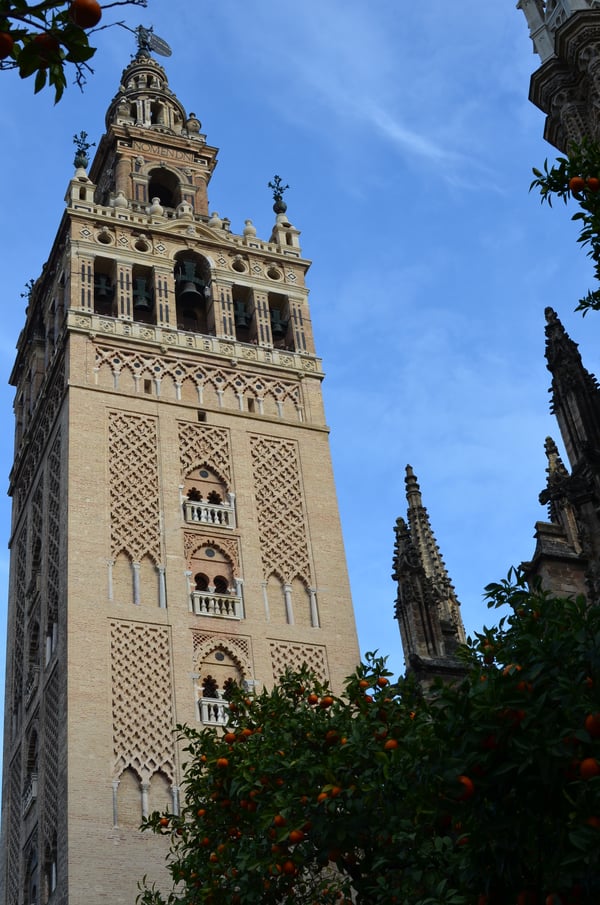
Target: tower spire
pixel 427 608
pixel 575 393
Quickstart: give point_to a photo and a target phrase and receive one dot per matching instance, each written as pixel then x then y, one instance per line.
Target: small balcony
pixel 30 792
pixel 213 711
pixel 201 512
pixel 223 606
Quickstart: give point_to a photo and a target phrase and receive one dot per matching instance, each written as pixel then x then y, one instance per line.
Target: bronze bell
pixel 142 297
pixel 278 324
pixel 103 291
pixel 241 317
pixel 190 288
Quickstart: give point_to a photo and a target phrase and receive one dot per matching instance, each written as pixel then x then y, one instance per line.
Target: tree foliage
pixel 486 791
pixel 46 39
pixel 578 176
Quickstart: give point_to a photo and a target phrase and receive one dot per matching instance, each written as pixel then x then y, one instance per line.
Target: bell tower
pixel 175 526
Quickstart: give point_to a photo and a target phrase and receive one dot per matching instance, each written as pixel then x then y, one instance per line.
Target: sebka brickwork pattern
pixel 280 508
pixel 204 445
pixel 142 707
pixel 134 487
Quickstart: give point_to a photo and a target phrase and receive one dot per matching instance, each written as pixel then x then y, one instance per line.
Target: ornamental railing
pixel 202 513
pixel 213 711
pixel 224 606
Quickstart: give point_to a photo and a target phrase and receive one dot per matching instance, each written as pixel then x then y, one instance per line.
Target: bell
pixel 189 295
pixel 278 325
pixel 142 297
pixel 240 315
pixel 103 291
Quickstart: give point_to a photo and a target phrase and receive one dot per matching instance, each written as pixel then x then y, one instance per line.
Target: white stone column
pixel 162 588
pixel 314 612
pixel 136 582
pixel 289 611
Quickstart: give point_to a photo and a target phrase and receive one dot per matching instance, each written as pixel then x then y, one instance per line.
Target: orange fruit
pixel 589 767
pixel 6 44
pixel 313 699
pixel 363 683
pixel 289 868
pixel 468 788
pixel 229 738
pixel 593 183
pixel 48 48
pixel 382 681
pixel 164 821
pixel 322 796
pixel 390 744
pixel 85 13
pixel 222 763
pixel 326 701
pixel 296 836
pixel 511 668
pixel 576 184
pixel 592 724
pixel 279 820
pixel 335 791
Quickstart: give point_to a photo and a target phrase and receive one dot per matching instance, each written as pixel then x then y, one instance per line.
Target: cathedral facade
pixel 175 525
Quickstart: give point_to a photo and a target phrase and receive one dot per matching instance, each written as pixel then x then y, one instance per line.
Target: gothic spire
pixel 575 393
pixel 426 606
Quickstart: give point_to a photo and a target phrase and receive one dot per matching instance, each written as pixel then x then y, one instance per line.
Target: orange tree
pixel 578 177
pixel 486 792
pixel 43 39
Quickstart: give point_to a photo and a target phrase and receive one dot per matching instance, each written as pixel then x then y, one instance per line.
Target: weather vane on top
pixel 280 206
pixel 147 41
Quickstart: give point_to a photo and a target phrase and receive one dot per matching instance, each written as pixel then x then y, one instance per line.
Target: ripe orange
pixel 296 836
pixel 213 857
pixel 322 796
pixel 85 13
pixel 6 44
pixel 229 738
pixel 511 668
pixel 246 733
pixel 313 699
pixel 326 701
pixel 593 183
pixel 576 184
pixel 468 788
pixel 279 820
pixel 289 868
pixel 201 812
pixel 589 767
pixel 222 763
pixel 390 744
pixel 363 683
pixel 335 791
pixel 47 47
pixel 331 736
pixel 382 681
pixel 164 821
pixel 592 724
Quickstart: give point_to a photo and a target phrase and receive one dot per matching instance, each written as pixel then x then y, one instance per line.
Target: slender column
pixel 266 602
pixel 289 612
pixel 145 790
pixel 314 612
pixel 115 787
pixel 136 583
pixel 162 588
pixel 239 592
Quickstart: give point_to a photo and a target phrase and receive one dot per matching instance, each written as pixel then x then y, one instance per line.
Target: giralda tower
pixel 175 526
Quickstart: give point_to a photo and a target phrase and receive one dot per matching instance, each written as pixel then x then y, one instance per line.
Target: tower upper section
pixel 152 148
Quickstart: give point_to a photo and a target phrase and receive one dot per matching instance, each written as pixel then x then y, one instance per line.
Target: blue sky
pixel 405 133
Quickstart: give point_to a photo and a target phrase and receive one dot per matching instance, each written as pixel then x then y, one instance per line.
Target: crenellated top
pixel 544 17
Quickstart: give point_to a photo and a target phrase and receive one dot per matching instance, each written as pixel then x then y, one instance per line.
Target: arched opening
pixel 143 294
pixel 221 585
pixel 50 869
pixel 165 186
pixel 243 314
pixel 201 581
pixel 161 796
pixel 192 293
pixel 129 799
pixel 218 674
pixel 279 314
pixel 211 564
pixel 104 287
